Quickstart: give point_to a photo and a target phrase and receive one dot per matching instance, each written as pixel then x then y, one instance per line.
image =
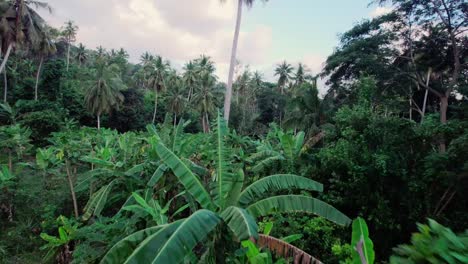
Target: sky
pixel 179 30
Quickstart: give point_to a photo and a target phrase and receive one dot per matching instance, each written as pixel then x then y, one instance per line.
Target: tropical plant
pixel 284 72
pixel 229 205
pixel 20 25
pixel 232 64
pixel 434 243
pixel 104 94
pixel 205 98
pixel 278 151
pixel 81 54
pixel 362 244
pixel 157 74
pixel 45 48
pixel 69 33
pixel 60 246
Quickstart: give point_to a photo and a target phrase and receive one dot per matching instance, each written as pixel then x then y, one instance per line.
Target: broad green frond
pixel 124 248
pixel 241 223
pixel 268 185
pixel 234 193
pixel 157 175
pixel 96 204
pixel 297 203
pixel 299 141
pixel 191 183
pixel 174 242
pixel 224 178
pixel 268 162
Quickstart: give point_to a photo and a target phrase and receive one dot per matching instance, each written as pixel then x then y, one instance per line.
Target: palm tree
pixel 229 205
pixel 158 69
pixel 284 71
pixel 176 97
pixel 104 94
pixel 205 65
pixel 301 75
pixel 46 48
pixel 19 24
pixel 81 54
pixel 204 99
pixel 228 96
pixel 190 78
pixel 69 33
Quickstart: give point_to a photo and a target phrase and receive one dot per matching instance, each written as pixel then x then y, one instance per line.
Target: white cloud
pixel 379 11
pixel 178 30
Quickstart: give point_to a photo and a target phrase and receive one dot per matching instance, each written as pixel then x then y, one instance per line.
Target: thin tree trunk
pixel 37 77
pixel 5 88
pixel 203 123
pixel 10 161
pixel 228 96
pixel 207 123
pixel 72 189
pixel 155 106
pixel 68 55
pixel 175 120
pixel 411 109
pixel 443 120
pixel 99 121
pixel 426 94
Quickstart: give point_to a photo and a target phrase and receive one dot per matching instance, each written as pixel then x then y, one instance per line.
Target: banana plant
pixel 279 150
pixel 229 205
pixel 151 207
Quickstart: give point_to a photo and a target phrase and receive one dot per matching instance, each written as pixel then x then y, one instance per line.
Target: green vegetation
pixel 107 161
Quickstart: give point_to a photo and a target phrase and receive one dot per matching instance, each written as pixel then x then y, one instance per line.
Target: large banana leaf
pixel 157 175
pixel 185 176
pixel 96 204
pixel 363 252
pixel 177 134
pixel 298 142
pixel 297 203
pixel 241 223
pixel 124 248
pixel 236 189
pixel 288 144
pixel 268 185
pixel 173 243
pixel 224 177
pixel 261 165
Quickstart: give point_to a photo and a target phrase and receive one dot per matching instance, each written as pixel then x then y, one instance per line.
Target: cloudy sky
pixel 179 30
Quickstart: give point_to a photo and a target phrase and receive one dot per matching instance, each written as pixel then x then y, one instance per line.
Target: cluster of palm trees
pixel 195 87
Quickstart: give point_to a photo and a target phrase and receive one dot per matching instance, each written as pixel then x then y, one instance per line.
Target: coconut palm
pixel 205 65
pixel 81 54
pixel 69 34
pixel 176 97
pixel 45 48
pixel 284 73
pixel 204 99
pixel 157 73
pixel 104 94
pixel 229 206
pixel 190 78
pixel 232 65
pixel 301 75
pixel 20 24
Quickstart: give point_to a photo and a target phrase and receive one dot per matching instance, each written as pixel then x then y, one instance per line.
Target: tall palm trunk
pixel 37 77
pixel 68 55
pixel 228 96
pixel 155 106
pixel 99 121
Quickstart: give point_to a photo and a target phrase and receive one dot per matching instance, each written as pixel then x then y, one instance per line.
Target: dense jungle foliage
pixel 107 161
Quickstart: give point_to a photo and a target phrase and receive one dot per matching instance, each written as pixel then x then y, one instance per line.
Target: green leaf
pixel 124 248
pixel 298 142
pixel 174 242
pixel 297 203
pixel 191 183
pixel 135 169
pixel 157 175
pixel 292 238
pixel 176 139
pixel 97 202
pixel 224 177
pixel 241 223
pixel 279 182
pixel 97 161
pixel 268 228
pixel 236 189
pixel 361 241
